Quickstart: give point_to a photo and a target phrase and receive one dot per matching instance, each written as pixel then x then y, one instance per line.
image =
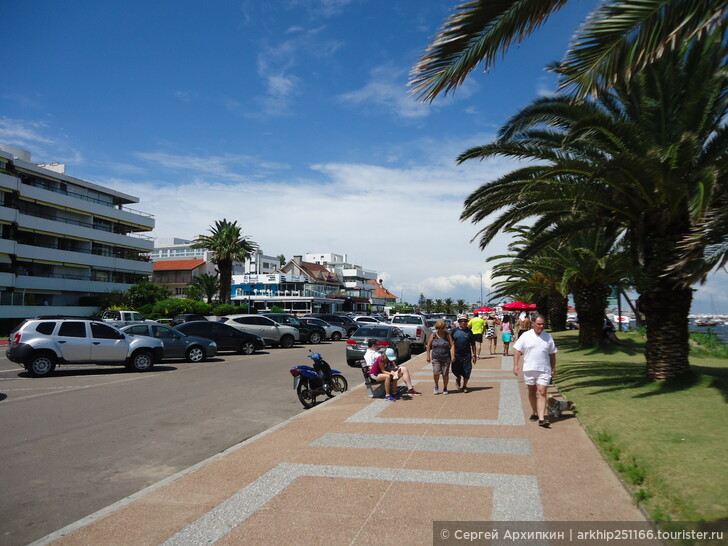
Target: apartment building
pixel 63 239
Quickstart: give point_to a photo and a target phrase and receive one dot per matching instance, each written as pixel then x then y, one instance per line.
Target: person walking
pixel 465 357
pixel 538 350
pixel 440 353
pixel 506 333
pixel 523 324
pixel 491 322
pixel 476 325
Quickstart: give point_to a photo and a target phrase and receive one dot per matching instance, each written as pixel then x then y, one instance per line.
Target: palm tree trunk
pixel 666 316
pixel 590 302
pixel 557 312
pixel 225 268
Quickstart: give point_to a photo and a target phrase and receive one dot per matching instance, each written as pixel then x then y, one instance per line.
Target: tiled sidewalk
pixel 361 471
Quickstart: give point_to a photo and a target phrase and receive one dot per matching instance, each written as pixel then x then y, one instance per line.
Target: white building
pixel 63 239
pixel 354 277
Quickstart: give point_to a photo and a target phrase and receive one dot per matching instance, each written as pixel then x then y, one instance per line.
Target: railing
pixel 31 181
pixel 90 225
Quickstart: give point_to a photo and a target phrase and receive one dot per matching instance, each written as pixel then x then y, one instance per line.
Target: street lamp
pixel 481 290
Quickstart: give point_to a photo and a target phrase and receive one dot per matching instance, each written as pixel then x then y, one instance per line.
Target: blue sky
pixel 290 116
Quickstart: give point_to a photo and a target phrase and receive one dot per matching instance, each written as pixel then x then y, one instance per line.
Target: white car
pixel 334 333
pixel 361 319
pixel 273 333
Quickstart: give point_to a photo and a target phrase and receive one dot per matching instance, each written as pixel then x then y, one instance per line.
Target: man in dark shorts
pixel 465 355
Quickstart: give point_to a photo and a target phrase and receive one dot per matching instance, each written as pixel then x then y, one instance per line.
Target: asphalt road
pixel 87 437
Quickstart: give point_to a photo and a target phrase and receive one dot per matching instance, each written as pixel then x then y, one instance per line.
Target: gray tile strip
pixel 515 497
pixel 448 444
pixel 509 411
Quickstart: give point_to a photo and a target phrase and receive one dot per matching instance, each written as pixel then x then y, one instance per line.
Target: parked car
pixel 119 318
pixel 334 333
pixel 226 337
pixel 39 345
pixel 414 326
pixel 387 336
pixel 176 343
pixel 363 319
pixel 273 334
pixel 337 320
pixel 186 317
pixel 309 333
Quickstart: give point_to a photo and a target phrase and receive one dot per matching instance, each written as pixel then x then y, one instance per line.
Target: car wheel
pixel 336 336
pixel 353 363
pixel 314 338
pixel 195 354
pixel 351 331
pixel 41 365
pixel 141 361
pixel 247 348
pixel 287 341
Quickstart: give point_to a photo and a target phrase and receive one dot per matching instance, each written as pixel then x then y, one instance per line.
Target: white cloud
pixel 401 222
pixel 386 88
pixel 31 136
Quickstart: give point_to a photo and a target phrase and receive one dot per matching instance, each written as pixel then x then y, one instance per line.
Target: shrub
pixel 171 307
pixel 276 309
pixel 226 309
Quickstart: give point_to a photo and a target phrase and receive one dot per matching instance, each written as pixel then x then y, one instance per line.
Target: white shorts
pixel 533 377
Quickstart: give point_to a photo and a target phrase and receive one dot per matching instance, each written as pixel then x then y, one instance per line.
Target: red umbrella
pixel 518 306
pixel 484 310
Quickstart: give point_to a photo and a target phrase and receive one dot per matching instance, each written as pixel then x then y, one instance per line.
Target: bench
pixel 374 388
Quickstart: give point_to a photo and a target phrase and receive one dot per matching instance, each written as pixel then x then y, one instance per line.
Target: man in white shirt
pixel 538 350
pixel 371 353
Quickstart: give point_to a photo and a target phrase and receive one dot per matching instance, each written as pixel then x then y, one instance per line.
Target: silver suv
pixel 40 344
pixel 273 333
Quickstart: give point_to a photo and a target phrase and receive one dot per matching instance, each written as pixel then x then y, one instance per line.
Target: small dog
pixel 557 406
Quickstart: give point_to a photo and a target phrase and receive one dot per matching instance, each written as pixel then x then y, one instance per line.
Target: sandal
pixel 544 423
pixel 465 389
pixel 533 418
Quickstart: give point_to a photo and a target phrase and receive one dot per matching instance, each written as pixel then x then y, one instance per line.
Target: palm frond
pixel 478 32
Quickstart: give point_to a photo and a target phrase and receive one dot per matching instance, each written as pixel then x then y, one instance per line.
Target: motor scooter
pixel 310 382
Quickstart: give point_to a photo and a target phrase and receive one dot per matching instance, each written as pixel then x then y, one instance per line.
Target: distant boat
pixel 706 322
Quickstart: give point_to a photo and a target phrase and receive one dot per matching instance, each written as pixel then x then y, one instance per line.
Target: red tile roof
pixel 174 265
pixel 382 292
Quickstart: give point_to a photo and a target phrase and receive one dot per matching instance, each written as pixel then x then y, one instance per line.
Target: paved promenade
pixel 356 470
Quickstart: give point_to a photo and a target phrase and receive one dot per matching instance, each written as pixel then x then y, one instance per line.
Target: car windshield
pixel 406 320
pixel 372 331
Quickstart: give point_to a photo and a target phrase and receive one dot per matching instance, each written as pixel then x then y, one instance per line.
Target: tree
pixel 208 285
pixel 647 162
pixel 618 40
pixel 145 293
pixel 281 259
pixel 227 245
pixel 460 306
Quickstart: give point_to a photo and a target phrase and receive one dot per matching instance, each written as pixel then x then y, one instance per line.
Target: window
pixel 72 329
pixel 139 330
pixel 163 332
pixel 248 320
pixel 102 331
pixel 45 328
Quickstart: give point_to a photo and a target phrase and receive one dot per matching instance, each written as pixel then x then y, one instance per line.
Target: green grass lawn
pixel 667 440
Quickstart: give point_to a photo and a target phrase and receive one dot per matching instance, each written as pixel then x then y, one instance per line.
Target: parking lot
pixel 88 436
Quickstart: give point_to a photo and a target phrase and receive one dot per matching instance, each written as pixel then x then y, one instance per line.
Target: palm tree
pixel 227 245
pixel 209 285
pixel 617 41
pixel 460 306
pixel 647 162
